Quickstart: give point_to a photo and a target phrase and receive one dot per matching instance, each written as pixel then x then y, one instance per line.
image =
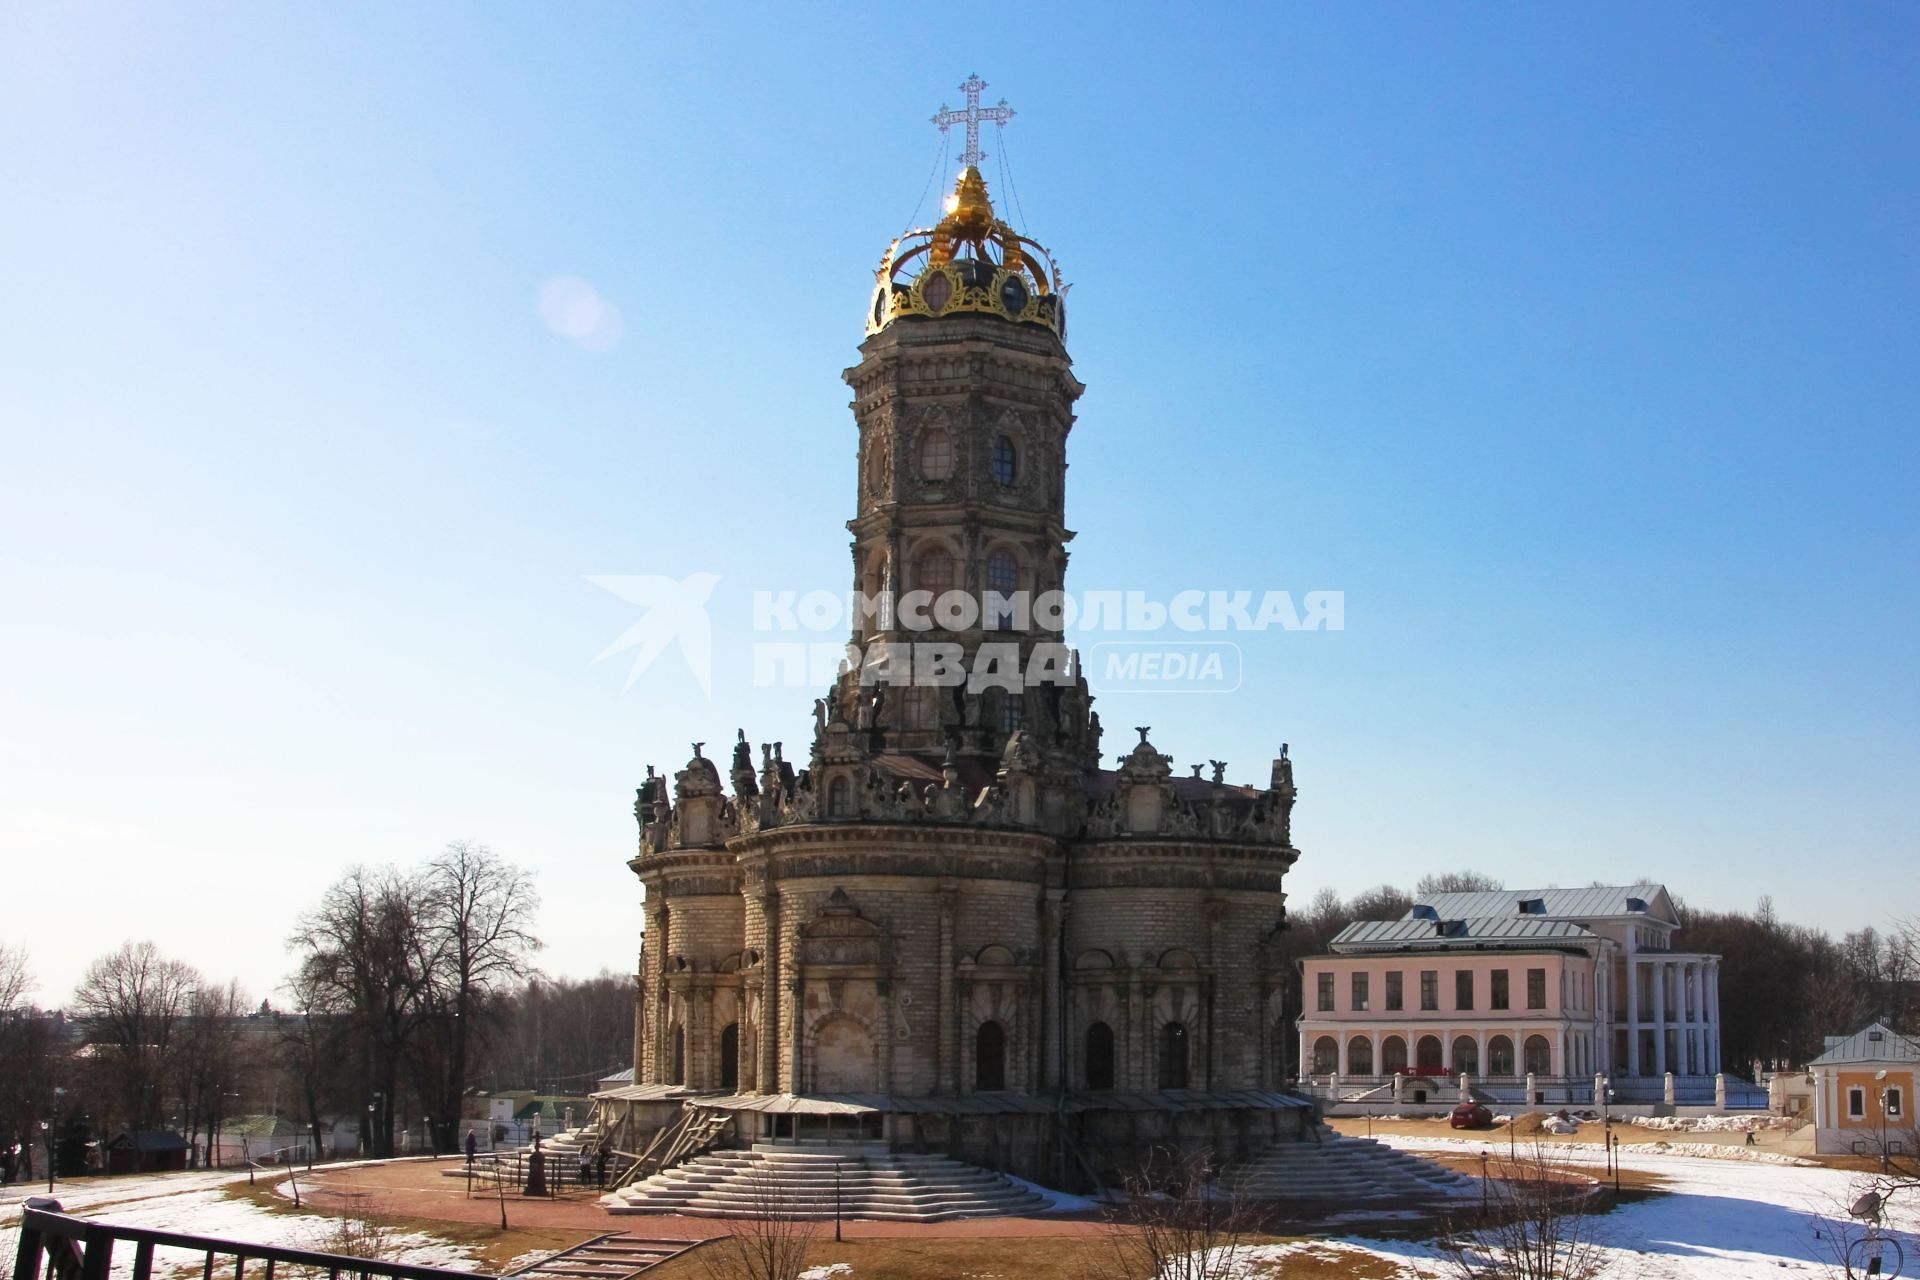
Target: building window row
pixel 1499 995
pixel 1430 1056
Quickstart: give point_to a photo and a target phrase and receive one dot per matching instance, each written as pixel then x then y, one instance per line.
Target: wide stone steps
pixel 866 1181
pixel 1343 1169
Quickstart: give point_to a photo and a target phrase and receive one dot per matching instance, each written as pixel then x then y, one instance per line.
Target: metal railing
pixel 81 1249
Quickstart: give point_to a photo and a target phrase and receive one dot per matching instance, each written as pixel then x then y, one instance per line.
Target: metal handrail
pixel 40 1228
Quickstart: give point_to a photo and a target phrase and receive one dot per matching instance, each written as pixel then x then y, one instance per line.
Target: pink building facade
pixel 1563 986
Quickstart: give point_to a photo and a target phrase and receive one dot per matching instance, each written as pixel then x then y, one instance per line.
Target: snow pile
pixel 1715 1151
pixel 827 1272
pixel 1712 1124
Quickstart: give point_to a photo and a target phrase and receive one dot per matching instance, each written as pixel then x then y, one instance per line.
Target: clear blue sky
pixel 1578 348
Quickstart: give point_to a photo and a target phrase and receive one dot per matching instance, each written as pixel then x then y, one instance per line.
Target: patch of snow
pixel 1057 1201
pixel 196 1204
pixel 1712 1124
pixel 827 1272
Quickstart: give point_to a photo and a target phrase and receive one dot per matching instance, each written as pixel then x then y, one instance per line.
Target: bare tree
pixel 1174 1223
pixel 1455 882
pixel 215 1062
pixel 769 1245
pixel 29 1064
pixel 1535 1224
pixel 315 1052
pixel 477 927
pixel 364 956
pixel 133 1006
pixel 16 979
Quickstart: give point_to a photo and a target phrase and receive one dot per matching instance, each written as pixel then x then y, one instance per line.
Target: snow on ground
pixel 1720 1219
pixel 196 1204
pixel 827 1272
pixel 1714 1124
pixel 1057 1201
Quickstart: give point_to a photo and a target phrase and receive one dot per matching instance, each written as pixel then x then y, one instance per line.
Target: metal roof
pixel 1160 1100
pixel 1876 1043
pixel 1599 901
pixel 1416 933
pixel 645 1093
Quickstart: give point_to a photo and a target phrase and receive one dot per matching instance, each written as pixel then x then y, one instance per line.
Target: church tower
pixel 964 400
pixel 953 905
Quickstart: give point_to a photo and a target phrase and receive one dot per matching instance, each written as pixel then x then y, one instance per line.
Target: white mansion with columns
pixel 1562 985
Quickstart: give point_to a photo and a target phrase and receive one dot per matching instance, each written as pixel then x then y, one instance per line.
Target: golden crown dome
pixel 970 262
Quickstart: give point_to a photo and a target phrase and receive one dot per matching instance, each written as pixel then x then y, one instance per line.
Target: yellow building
pixel 1863 1094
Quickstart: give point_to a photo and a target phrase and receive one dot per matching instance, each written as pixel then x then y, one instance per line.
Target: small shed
pixel 147 1151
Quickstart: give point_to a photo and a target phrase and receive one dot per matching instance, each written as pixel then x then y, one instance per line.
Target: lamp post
pixel 1606 1125
pixel 1880 1078
pixel 51 1129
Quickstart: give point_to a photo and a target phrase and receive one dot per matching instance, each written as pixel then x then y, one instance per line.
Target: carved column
pixel 768 1041
pixel 944 1033
pixel 1052 1073
pixel 658 947
pixel 640 1018
pixel 792 1024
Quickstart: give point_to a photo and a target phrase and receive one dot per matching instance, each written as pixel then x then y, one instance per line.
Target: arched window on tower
pixel 1099 1056
pixel 1173 1055
pixel 1013 712
pixel 916 707
pixel 990 1057
pixel 730 1056
pixel 936 454
pixel 839 799
pixel 1003 579
pixel 933 573
pixel 1006 461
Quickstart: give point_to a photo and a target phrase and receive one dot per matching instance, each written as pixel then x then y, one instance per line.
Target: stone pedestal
pixel 1720 1091
pixel 1667 1087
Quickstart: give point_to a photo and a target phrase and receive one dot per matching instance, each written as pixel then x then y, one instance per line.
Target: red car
pixel 1471 1115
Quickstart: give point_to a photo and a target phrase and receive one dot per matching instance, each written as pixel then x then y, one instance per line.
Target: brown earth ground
pixel 415 1194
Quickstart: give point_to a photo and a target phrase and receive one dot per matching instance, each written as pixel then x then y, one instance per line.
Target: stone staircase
pixel 1344 1169
pixel 799 1181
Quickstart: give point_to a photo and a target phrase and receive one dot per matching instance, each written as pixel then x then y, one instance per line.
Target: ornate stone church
pixel 959 902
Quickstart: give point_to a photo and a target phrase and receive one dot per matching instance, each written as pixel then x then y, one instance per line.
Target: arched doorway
pixel 1539 1056
pixel 990 1057
pixel 1466 1056
pixel 1326 1056
pixel 1173 1055
pixel 1500 1056
pixel 730 1056
pixel 1099 1066
pixel 843 1057
pixel 1359 1056
pixel 1429 1053
pixel 1393 1055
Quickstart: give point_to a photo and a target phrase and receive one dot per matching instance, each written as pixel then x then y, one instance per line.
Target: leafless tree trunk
pixel 1175 1223
pixel 1535 1225
pixel 133 1004
pixel 770 1245
pixel 478 924
pixel 364 955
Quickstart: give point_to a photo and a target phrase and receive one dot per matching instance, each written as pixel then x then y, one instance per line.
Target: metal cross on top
pixel 972 117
